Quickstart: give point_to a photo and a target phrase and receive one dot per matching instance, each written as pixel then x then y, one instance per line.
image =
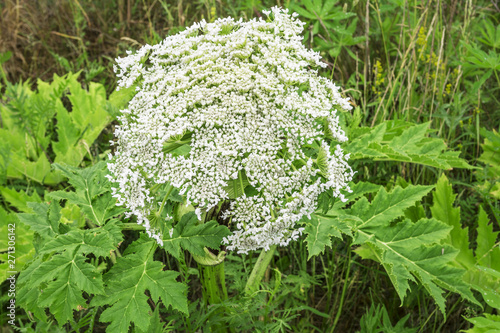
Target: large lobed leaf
pixel 67 276
pixel 78 129
pixel 483 266
pixel 322 226
pixel 62 276
pixel 23 250
pixel 59 282
pixel 487 251
pixel 98 242
pixel 92 192
pixel 44 220
pixel 188 234
pixel 320 229
pixel 443 210
pixel 27 133
pixel 385 207
pixel 408 251
pixel 404 142
pixel 126 283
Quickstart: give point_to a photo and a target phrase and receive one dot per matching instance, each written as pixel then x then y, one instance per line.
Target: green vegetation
pixel 415 249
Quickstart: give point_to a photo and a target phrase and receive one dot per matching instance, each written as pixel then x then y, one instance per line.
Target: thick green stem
pixel 214 283
pixel 214 290
pixel 258 270
pixel 132 226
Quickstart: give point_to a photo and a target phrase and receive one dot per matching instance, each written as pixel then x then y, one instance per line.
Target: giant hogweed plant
pixel 232 142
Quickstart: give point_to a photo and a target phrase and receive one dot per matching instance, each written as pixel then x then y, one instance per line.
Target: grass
pixel 414 60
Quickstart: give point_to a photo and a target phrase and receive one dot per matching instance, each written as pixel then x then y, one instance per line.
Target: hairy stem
pixel 214 283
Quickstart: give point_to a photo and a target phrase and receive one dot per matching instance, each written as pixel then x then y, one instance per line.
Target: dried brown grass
pixel 81 31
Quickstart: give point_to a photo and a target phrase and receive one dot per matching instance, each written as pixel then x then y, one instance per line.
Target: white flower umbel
pixel 227 104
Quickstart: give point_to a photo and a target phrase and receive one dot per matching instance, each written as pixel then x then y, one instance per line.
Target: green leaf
pixel 23 250
pixel 320 229
pixel 71 214
pixel 19 199
pixel 78 129
pixel 5 153
pixel 27 126
pixel 66 276
pixel 339 16
pixel 408 139
pixel 90 180
pixel 322 161
pixel 376 319
pixel 409 234
pixel 487 251
pixel 44 220
pixel 60 276
pixel 92 192
pixel 490 295
pixel 5 56
pixel 409 252
pixel 236 187
pixel 155 324
pixel 113 229
pixel 404 142
pixel 119 99
pixel 488 324
pixel 303 12
pixel 92 241
pixel 443 210
pixel 127 282
pixel 28 297
pixel 491 157
pixel 483 272
pixel 188 234
pixel 64 294
pixel 38 171
pixel 386 207
pixel 358 189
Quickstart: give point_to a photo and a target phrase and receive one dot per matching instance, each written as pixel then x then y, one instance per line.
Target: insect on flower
pixel 232 112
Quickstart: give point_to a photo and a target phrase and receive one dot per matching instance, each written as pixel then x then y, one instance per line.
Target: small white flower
pixel 247 100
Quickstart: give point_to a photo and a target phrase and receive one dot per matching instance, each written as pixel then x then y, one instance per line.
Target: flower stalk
pixel 259 270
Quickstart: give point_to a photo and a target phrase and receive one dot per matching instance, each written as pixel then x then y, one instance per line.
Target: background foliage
pixel 423 77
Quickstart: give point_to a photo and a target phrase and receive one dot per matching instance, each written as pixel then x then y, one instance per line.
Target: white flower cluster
pixel 232 103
